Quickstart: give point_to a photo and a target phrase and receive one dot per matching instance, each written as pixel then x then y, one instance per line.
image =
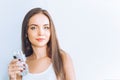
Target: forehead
pixel 39 19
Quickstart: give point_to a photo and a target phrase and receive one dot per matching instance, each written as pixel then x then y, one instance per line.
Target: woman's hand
pixel 14 69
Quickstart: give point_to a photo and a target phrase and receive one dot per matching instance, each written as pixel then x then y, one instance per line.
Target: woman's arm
pixel 68 67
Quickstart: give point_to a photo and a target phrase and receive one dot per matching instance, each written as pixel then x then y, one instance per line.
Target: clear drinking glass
pixel 22 62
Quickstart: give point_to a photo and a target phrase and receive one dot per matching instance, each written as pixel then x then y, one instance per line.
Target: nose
pixel 40 31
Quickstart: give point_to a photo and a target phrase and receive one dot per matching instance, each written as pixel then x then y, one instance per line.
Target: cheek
pixel 48 34
pixel 30 36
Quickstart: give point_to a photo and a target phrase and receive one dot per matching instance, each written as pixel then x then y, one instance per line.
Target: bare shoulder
pixel 66 57
pixel 68 66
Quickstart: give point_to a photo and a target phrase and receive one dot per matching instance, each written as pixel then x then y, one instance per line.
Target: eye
pixel 33 27
pixel 46 27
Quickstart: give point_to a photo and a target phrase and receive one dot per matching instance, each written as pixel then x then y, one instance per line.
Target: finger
pixel 15 64
pixel 14 61
pixel 13 77
pixel 16 69
pixel 13 73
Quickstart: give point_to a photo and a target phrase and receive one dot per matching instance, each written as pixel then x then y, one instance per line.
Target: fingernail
pixel 23 64
pixel 14 57
pixel 24 68
pixel 19 59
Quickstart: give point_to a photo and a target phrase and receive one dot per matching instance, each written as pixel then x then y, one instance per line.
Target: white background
pixel 89 30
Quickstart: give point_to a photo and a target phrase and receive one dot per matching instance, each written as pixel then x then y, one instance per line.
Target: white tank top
pixel 48 74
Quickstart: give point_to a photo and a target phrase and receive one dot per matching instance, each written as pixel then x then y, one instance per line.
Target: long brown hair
pixel 54 51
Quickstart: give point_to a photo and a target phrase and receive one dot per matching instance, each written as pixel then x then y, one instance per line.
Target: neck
pixel 39 52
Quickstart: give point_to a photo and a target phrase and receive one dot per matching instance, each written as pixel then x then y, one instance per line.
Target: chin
pixel 41 45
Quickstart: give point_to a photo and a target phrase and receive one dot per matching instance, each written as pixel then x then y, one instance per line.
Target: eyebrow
pixel 37 25
pixel 46 24
pixel 32 25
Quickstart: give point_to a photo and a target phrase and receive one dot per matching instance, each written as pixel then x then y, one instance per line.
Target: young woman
pixel 45 59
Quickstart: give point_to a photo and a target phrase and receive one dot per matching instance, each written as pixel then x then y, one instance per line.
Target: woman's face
pixel 39 30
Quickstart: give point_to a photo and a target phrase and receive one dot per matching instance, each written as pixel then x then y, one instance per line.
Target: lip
pixel 40 39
